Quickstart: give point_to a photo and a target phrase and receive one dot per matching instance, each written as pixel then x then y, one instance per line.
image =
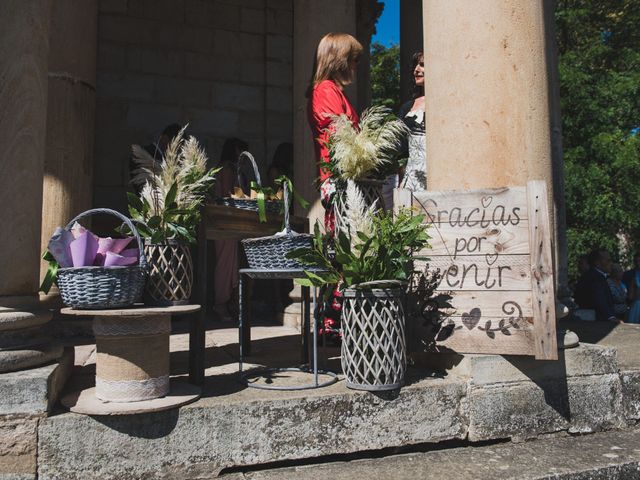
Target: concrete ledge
pixel 583 360
pixel 219 432
pixel 34 391
pixel 18 447
pixel 631 395
pixel 527 409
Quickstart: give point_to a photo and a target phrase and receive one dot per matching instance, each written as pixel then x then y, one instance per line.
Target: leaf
pixel 171 194
pixel 135 202
pixel 154 222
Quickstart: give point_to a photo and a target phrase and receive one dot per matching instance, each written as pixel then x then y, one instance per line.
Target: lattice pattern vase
pixel 371 191
pixel 170 274
pixel 373 339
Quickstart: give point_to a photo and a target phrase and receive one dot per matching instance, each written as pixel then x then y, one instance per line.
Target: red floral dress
pixel 327 99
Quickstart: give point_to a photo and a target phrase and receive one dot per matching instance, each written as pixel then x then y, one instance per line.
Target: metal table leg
pixel 240 322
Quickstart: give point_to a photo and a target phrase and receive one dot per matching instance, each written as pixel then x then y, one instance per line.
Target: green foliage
pixel 385 75
pixel 169 205
pixel 599 65
pixel 382 254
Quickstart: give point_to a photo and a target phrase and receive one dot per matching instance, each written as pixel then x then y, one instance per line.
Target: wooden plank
pixel 482 272
pixel 488 335
pixel 456 241
pixel 544 315
pixel 234 223
pixel 494 304
pixel 494 206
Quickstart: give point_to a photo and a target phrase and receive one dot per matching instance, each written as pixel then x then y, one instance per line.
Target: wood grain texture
pixel 484 272
pixel 229 223
pixel 457 241
pixel 544 313
pixel 495 205
pixel 493 304
pixel 495 297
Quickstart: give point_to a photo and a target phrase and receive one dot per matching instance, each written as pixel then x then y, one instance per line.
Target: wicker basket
pixel 170 273
pixel 373 338
pixel 103 287
pixel 371 191
pixel 269 253
pixel 271 206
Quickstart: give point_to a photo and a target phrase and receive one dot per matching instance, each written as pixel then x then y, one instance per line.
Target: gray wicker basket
pixel 95 288
pixel 270 252
pixel 271 206
pixel 373 340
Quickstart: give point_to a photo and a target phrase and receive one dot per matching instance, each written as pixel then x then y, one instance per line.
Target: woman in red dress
pixel 336 62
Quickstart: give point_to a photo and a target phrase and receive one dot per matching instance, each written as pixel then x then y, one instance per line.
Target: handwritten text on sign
pixel 481 243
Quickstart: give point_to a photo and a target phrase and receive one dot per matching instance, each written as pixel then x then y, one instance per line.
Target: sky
pixel 388 26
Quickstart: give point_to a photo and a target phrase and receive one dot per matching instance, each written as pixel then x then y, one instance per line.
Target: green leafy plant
pixel 378 247
pixel 268 193
pixel 363 151
pixel 168 207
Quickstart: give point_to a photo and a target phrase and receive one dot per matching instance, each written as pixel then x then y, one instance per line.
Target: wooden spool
pixel 132 357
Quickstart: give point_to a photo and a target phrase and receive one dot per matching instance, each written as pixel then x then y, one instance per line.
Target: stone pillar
pixel 487 95
pixel 68 166
pixel 410 42
pixel 24 49
pixel 560 250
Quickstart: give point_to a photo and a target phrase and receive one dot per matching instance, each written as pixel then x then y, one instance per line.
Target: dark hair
pixel 283 158
pixel 230 149
pixel 595 255
pixel 415 59
pixel 172 130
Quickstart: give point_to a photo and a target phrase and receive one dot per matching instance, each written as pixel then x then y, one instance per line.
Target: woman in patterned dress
pixel 412 113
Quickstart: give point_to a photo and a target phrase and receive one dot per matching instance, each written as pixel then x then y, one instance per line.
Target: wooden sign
pixel 493 250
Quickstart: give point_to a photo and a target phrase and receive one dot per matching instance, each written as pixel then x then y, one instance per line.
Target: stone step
pixel 608 455
pixel 233 426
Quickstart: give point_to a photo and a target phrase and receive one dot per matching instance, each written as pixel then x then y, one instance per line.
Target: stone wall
pixel 223 66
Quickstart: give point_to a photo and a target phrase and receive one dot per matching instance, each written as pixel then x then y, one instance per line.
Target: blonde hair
pixel 336 53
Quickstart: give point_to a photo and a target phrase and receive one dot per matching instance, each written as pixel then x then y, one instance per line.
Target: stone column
pixel 487 95
pixel 24 49
pixel 68 163
pixel 560 250
pixel 410 42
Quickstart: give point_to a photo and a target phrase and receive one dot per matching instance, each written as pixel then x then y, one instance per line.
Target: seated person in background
pixel 592 290
pixel 149 156
pixel 282 164
pixel 618 291
pixel 629 276
pixel 226 251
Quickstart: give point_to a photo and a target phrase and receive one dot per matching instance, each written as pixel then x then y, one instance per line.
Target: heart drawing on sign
pixel 486 201
pixel 471 319
pixel 491 258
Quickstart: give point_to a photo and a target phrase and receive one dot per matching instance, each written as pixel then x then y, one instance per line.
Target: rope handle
pixel 248 155
pixel 141 259
pixel 287 226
